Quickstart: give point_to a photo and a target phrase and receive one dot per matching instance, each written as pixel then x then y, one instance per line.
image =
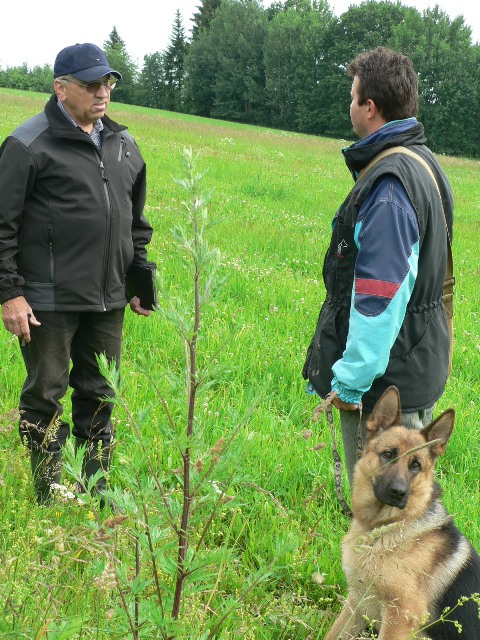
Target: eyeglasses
pixel 93 87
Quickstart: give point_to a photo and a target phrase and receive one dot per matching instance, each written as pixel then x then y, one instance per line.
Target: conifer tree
pixel 201 19
pixel 120 60
pixel 174 66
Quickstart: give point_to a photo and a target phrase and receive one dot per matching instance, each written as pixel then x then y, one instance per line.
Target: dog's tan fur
pixel 397 560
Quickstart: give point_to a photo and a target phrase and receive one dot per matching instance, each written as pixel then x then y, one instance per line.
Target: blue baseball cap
pixel 87 62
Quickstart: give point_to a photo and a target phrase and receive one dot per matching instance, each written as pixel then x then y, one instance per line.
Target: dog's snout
pixel 394 492
pixel 399 493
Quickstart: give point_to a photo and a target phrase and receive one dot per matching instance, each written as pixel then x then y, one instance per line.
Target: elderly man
pixel 72 193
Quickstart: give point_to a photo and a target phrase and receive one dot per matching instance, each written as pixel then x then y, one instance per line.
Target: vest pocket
pixel 326 346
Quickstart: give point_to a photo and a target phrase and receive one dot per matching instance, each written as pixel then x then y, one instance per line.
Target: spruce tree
pixel 120 60
pixel 203 17
pixel 174 66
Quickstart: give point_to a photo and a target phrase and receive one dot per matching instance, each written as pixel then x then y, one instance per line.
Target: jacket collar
pixel 61 127
pixel 401 133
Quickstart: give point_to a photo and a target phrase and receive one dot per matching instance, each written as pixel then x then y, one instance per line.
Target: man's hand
pixel 344 406
pixel 17 316
pixel 137 308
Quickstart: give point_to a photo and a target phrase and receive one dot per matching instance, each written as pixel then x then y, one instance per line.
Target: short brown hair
pixel 389 79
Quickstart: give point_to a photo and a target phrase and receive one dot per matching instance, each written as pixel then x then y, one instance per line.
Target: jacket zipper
pixel 51 253
pixel 106 255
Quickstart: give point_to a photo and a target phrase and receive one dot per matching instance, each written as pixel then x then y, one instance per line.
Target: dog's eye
pixel 415 466
pixel 387 455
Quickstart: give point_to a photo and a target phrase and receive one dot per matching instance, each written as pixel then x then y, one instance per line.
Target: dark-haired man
pixel 72 193
pixel 383 321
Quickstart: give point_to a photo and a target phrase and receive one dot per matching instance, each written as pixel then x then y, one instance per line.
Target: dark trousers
pixel 65 337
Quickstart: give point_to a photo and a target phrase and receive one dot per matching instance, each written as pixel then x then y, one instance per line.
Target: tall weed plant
pixel 177 590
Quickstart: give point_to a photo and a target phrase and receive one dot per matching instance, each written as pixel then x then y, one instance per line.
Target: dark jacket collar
pixel 61 127
pixel 359 154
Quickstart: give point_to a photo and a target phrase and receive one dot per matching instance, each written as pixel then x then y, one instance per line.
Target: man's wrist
pixel 347 395
pixel 9 294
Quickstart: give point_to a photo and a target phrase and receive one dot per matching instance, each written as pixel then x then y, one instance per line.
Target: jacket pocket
pixel 40 295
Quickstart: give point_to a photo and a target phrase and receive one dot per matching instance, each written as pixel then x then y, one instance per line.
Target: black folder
pixel 140 282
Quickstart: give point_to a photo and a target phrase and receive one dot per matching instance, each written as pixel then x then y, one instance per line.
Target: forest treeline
pixel 284 66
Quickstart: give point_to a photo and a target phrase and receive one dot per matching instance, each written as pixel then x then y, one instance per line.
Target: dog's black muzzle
pixel 394 493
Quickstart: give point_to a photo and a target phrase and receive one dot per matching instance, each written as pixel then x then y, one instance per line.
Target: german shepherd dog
pixel 407 565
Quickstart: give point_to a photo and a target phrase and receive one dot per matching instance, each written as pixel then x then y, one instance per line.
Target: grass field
pixel 276 538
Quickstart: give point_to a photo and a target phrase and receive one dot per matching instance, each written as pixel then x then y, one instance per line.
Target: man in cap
pixel 72 194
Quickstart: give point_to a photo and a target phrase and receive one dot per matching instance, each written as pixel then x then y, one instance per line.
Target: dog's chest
pixel 369 556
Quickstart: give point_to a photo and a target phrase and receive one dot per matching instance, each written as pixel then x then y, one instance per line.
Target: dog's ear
pixel 386 412
pixel 440 429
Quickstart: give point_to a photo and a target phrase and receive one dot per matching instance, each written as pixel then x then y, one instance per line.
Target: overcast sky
pixel 34 31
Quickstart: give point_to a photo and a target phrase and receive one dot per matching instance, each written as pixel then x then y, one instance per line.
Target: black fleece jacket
pixel 71 216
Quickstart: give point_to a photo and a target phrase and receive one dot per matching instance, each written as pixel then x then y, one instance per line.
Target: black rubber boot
pixel 46 470
pixel 95 460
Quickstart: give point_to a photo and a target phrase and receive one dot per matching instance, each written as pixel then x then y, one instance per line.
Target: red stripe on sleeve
pixel 379 288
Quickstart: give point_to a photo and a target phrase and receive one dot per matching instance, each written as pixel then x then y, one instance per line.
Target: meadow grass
pixel 276 193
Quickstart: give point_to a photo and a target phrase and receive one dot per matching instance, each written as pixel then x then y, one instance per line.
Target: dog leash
pixel 326 407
